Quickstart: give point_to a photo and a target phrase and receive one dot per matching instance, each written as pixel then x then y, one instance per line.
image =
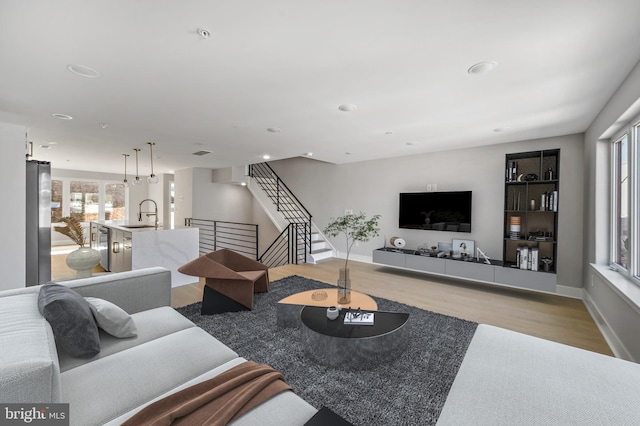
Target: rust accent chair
pixel 231 279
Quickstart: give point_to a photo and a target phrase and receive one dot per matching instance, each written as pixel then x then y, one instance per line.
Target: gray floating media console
pixel 468 270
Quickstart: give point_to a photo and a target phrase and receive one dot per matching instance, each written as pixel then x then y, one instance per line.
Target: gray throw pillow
pixel 71 319
pixel 112 318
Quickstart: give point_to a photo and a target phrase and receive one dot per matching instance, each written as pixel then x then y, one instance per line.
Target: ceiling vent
pixel 202 152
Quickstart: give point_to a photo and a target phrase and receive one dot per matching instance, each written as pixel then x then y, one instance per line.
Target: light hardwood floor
pixel 551 317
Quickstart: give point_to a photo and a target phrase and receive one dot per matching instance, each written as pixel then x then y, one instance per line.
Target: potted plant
pixel 83 259
pixel 355 227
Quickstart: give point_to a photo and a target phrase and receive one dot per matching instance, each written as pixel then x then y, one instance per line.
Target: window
pixel 114 205
pixel 56 198
pixel 625 211
pixel 84 201
pixel 635 225
pixel 88 200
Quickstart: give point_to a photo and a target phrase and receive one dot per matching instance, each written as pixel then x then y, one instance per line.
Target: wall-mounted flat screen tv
pixel 436 211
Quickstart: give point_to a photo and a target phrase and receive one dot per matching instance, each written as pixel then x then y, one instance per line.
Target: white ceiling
pixel 290 63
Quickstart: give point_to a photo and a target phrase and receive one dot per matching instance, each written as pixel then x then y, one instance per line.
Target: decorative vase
pixel 83 260
pixel 332 313
pixel 344 287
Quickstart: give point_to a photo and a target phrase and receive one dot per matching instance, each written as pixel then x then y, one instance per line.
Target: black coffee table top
pixel 315 318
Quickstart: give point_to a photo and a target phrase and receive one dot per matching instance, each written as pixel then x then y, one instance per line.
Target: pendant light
pixel 152 178
pixel 125 181
pixel 137 180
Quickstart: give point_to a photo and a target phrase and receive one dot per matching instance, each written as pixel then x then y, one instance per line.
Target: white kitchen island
pixel 148 247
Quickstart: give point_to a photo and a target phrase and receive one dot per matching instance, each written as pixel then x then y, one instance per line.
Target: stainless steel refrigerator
pixel 38 222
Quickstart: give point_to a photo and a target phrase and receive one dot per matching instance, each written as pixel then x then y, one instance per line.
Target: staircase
pixel 304 240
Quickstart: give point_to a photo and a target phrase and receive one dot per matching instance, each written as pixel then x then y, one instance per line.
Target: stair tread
pixel 318 251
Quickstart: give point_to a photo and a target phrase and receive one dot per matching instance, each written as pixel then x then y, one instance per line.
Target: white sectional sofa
pixel 511 379
pixel 169 353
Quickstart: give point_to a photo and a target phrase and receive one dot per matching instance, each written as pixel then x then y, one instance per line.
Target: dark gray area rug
pixel 410 390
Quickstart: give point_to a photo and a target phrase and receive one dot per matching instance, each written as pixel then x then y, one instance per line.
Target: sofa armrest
pixel 134 291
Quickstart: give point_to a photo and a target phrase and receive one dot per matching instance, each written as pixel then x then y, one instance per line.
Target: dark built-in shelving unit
pixel 532 194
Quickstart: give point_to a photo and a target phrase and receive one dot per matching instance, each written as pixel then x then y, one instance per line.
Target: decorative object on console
pixel 463 249
pixel 397 242
pixel 487 259
pixel 355 227
pixel 444 248
pixel 83 259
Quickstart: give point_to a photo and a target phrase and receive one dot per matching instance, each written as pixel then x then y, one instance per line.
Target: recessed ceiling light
pixel 82 70
pixel 203 152
pixel 501 129
pixel 388 133
pixel 347 107
pixel 482 67
pixel 203 32
pixel 104 125
pixel 410 143
pixel 274 129
pixel 266 156
pixel 308 154
pixel 45 146
pixel 62 116
pixel 347 153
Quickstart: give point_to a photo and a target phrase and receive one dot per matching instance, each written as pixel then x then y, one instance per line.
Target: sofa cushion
pixel 71 319
pixel 111 318
pixel 29 368
pixel 127 379
pixel 151 324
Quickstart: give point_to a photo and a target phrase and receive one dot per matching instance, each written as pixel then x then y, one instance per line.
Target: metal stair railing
pixel 219 234
pixel 288 205
pixel 288 247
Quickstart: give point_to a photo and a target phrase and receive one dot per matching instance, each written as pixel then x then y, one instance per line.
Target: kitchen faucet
pixel 154 213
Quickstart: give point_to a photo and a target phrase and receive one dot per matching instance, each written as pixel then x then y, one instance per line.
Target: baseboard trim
pixel 573 292
pixel 616 345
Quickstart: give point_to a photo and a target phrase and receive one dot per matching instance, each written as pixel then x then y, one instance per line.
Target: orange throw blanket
pixel 217 401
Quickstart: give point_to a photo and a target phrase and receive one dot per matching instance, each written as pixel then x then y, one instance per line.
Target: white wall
pixel 230 202
pixel 614 310
pixel 373 187
pixel 12 217
pixel 219 201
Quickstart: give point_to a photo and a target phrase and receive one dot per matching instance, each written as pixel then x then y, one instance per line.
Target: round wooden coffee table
pixel 288 309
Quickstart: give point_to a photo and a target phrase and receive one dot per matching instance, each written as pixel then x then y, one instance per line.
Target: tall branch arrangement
pixel 72 229
pixel 355 227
